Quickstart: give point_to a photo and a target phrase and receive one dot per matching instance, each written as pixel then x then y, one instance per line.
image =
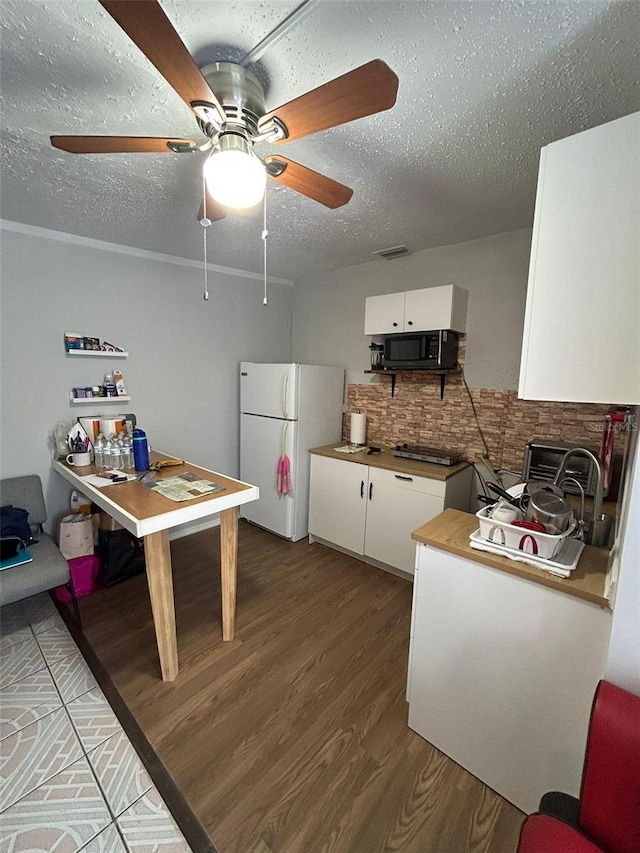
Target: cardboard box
pixel 73 341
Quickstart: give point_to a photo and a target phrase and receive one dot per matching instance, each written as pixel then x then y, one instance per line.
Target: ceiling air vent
pixel 392 253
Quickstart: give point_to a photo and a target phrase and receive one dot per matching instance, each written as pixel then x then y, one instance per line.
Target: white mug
pixel 79 459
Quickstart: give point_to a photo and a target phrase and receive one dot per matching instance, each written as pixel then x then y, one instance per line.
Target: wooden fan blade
pixel 215 211
pixel 364 91
pixel 117 144
pixel 310 183
pixel 148 27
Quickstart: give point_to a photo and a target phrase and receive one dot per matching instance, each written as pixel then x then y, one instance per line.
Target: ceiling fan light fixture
pixel 235 176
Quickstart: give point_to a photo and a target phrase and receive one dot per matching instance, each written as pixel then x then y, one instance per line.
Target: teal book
pixel 21 557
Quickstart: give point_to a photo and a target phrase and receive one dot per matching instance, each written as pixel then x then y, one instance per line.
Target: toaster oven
pixel 542 459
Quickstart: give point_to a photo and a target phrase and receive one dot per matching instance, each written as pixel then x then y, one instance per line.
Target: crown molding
pixel 116 248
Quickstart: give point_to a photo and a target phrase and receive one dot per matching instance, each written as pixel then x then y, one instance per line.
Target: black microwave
pixel 421 350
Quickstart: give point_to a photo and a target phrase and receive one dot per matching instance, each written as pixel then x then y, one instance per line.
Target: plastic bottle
pixel 98 451
pixel 117 461
pixel 109 385
pixel 140 450
pixel 127 450
pixel 106 454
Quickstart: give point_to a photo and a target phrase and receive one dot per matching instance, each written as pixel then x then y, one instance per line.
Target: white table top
pixel 143 511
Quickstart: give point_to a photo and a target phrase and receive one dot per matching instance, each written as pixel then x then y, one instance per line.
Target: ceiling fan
pixel 228 102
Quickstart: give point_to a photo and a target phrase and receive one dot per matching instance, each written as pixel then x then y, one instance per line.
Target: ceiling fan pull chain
pixel 265 234
pixel 205 222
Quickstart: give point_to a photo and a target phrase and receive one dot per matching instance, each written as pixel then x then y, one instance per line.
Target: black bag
pixel 10 546
pixel 121 556
pixel 14 521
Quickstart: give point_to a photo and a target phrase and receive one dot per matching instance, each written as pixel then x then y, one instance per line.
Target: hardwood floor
pixel 293 737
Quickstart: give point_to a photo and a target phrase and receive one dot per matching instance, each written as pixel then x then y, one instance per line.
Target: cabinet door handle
pixel 400 477
pixel 395 324
pixel 370 490
pixel 409 322
pixel 361 488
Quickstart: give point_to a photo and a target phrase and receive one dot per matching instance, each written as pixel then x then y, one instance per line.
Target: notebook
pixel 21 557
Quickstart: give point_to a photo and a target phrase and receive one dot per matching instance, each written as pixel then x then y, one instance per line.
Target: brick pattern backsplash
pixel 417 415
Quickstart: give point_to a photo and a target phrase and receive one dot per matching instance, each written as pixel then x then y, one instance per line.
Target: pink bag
pixel 84 573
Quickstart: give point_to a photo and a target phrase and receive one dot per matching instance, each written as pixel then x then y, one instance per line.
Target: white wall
pixel 328 312
pixel 623 661
pixel 183 368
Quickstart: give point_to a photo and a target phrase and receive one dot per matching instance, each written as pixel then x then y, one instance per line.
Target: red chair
pixel 607 815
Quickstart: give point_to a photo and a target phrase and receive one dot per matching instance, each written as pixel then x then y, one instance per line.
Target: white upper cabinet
pixel 582 321
pixel 424 310
pixel 384 315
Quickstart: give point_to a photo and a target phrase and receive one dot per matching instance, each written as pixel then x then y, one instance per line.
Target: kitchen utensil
pixel 533 486
pixel 546 507
pixel 503 493
pixel 531 525
pixel 79 459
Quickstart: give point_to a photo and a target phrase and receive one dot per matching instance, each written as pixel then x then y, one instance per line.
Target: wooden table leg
pixel 228 569
pixel 158 559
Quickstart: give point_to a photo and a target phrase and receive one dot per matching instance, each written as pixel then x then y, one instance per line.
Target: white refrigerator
pixel 285 409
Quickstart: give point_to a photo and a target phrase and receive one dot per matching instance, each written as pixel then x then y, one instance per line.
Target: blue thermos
pixel 140 450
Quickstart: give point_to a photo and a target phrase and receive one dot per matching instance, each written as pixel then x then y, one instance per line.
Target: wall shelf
pixel 394 373
pixel 94 353
pixel 97 352
pixel 97 401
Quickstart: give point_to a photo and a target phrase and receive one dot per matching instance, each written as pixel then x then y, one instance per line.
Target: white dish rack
pixel 562 564
pixel 500 533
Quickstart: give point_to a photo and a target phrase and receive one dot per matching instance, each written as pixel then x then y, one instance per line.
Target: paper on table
pixel 184 487
pixel 99 482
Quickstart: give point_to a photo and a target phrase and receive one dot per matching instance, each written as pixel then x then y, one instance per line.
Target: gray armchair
pixel 48 568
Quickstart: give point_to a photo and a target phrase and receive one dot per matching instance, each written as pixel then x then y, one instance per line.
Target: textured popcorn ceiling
pixel 482 87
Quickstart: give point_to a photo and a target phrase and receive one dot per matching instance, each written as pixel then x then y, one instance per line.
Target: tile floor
pixel 69 777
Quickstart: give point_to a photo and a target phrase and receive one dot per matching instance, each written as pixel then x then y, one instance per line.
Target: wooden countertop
pixel 385 459
pixel 450 531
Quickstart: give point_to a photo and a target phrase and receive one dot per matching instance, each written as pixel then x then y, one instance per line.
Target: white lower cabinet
pixel 502 673
pixel 337 502
pixel 397 504
pixel 372 512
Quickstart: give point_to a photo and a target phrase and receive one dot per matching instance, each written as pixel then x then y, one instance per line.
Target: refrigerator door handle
pixel 285 388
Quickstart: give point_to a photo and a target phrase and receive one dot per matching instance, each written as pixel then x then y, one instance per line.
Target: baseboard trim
pixel 399 573
pixel 187 529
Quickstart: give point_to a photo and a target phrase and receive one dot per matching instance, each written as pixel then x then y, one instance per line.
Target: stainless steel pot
pixel 544 504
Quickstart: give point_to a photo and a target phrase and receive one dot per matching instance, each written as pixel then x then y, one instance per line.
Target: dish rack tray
pixel 565 561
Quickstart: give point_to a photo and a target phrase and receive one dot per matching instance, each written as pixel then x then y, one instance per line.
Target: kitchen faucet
pixel 598 526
